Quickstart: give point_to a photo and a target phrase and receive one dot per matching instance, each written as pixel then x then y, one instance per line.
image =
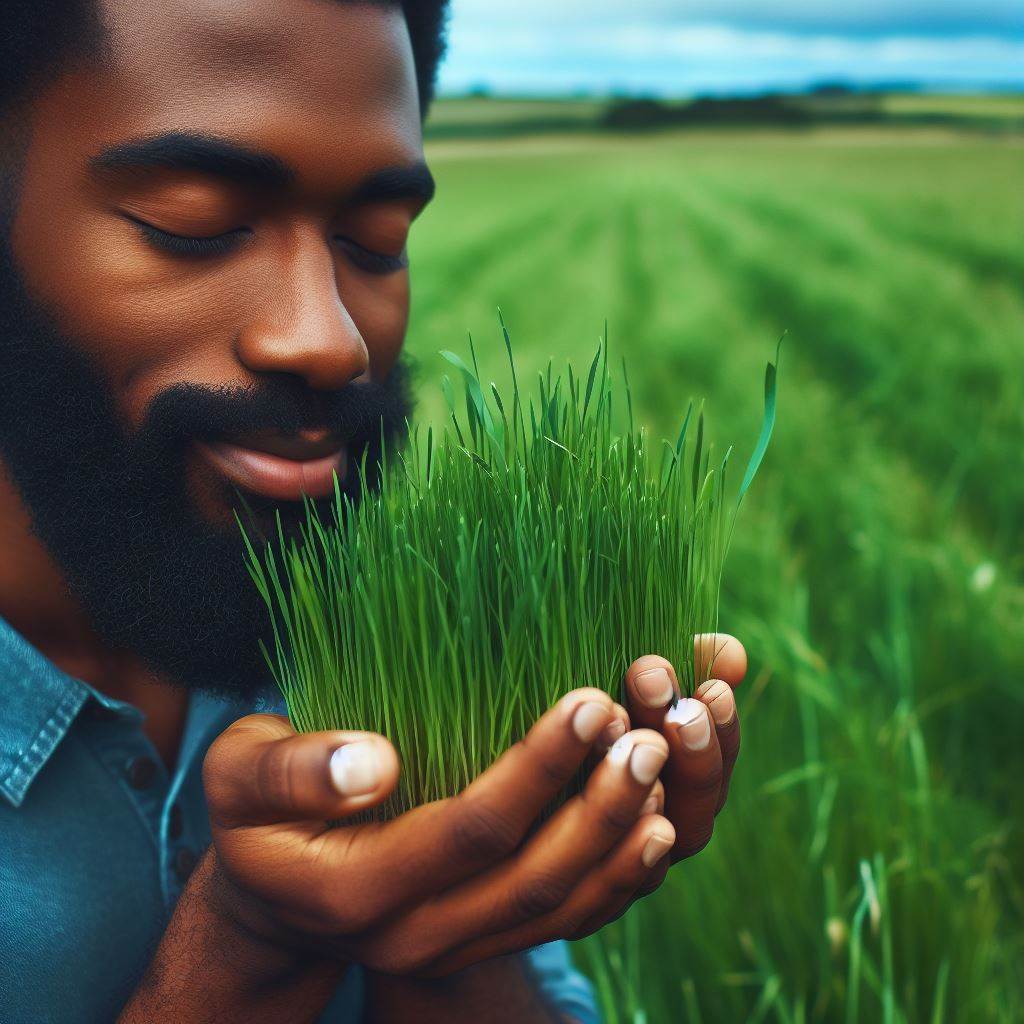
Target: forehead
pixel 313 81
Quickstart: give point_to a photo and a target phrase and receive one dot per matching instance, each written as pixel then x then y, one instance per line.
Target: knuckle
pixel 555 773
pixel 620 890
pixel 273 775
pixel 538 896
pixel 480 833
pixel 611 817
pixel 618 821
pixel 708 782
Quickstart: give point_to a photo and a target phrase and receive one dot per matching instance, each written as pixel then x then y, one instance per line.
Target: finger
pixel 655 802
pixel 693 776
pixel 260 771
pixel 612 909
pixel 616 728
pixel 719 656
pixel 721 702
pixel 431 848
pixel 541 876
pixel 603 894
pixel 624 786
pixel 651 686
pixel 489 819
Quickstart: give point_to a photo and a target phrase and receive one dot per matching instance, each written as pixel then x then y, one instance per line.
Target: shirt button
pixel 175 823
pixel 141 772
pixel 184 861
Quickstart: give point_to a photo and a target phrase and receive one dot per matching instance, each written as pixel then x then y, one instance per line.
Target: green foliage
pixel 877 580
pixel 530 550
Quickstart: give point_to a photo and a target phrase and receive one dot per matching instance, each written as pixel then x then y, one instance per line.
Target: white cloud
pixel 599 46
pixel 996 17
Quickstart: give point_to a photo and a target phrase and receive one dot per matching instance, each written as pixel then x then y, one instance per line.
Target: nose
pixel 301 326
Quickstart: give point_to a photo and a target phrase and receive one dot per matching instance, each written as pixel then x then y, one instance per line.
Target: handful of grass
pixel 527 550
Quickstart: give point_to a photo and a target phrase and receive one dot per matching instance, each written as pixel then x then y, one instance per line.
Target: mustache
pixel 356 413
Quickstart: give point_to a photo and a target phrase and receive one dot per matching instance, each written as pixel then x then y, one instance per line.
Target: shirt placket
pixel 118 740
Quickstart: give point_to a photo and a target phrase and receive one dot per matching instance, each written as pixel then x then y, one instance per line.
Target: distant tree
pixel 639 114
pixel 631 114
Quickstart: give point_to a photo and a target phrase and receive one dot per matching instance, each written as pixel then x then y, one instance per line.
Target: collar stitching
pixel 25 769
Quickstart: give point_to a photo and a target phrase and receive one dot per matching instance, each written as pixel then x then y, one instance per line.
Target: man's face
pixel 205 294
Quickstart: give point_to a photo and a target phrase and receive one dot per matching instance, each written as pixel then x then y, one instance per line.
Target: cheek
pixel 379 307
pixel 141 321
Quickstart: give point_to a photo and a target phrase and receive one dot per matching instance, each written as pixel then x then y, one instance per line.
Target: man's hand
pixel 447 884
pixel 703 733
pixel 465 879
pixel 282 902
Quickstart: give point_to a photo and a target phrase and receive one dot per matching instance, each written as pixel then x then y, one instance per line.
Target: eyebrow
pixel 222 158
pixel 411 182
pixel 207 154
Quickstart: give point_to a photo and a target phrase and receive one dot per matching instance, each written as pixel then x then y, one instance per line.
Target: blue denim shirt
pixel 97 841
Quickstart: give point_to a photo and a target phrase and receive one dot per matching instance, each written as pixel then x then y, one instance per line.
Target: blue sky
pixel 675 47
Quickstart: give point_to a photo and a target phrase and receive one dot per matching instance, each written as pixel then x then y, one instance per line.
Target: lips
pixel 279 467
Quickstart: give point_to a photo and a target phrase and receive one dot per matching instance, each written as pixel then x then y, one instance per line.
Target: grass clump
pixel 527 550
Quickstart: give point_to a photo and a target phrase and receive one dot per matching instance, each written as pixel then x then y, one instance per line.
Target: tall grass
pixel 529 549
pixel 877 580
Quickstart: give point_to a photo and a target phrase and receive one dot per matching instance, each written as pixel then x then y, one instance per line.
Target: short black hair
pixel 37 37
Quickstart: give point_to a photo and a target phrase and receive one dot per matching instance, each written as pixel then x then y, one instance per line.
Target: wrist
pixel 256 944
pixel 212 965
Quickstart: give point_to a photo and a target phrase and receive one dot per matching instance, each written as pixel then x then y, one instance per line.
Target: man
pixel 204 294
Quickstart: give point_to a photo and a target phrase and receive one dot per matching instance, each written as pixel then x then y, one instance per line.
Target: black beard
pixel 114 510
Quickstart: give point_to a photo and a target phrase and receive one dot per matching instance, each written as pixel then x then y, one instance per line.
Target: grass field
pixel 870 863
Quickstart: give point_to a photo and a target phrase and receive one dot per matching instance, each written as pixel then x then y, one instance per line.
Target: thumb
pixel 260 771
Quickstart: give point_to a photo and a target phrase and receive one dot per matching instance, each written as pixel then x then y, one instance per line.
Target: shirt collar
pixel 39 704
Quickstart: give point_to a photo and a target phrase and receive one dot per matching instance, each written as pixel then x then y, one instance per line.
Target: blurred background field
pixel 870 863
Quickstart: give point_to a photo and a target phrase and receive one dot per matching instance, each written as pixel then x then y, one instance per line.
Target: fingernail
pixel 650 806
pixel 621 749
pixel 692 722
pixel 355 768
pixel 612 732
pixel 654 849
pixel 717 695
pixel 588 720
pixel 645 763
pixel 654 687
